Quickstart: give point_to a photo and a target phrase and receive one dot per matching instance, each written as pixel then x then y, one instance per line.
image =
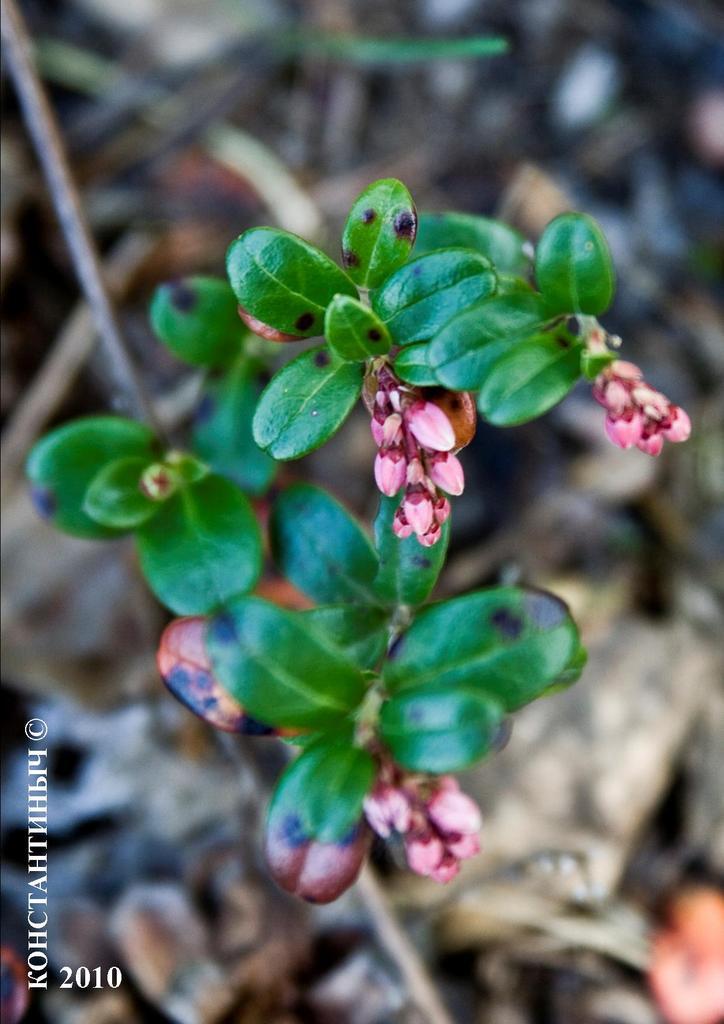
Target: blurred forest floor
pixel 185 125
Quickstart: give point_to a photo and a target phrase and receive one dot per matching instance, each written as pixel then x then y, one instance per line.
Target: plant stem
pixel 126 386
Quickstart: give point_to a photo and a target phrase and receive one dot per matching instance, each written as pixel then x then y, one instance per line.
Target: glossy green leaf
pixel 592 363
pixel 279 669
pixel 379 232
pixel 412 365
pixel 423 295
pixel 197 318
pixel 440 728
pixel 321 547
pixel 62 465
pixel 353 331
pixel 284 281
pixel 114 497
pixel 502 245
pixel 361 632
pixel 462 353
pixel 201 548
pixel 408 572
pixel 570 674
pixel 305 403
pixel 529 379
pixel 509 643
pixel 573 266
pixel 323 789
pixel 222 433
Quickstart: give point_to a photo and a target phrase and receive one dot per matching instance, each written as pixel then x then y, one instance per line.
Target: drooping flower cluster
pixel 637 414
pixel 438 822
pixel 415 439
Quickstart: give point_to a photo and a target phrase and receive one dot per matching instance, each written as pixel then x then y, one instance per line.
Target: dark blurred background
pixel 187 122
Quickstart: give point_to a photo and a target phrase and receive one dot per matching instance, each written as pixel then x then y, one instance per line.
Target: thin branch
pixel 127 389
pixel 401 951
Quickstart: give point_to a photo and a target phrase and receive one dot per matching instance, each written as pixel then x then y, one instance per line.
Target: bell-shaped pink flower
pixel 387 809
pixel 446 870
pixel 464 847
pixel 431 427
pixel 442 510
pixel 680 427
pixel 431 537
pixel 392 429
pixel 446 472
pixel 452 812
pixel 390 470
pixel 415 472
pixel 378 432
pixel 652 444
pixel 424 853
pixel 625 431
pixel 418 510
pixel 616 397
pixel 400 526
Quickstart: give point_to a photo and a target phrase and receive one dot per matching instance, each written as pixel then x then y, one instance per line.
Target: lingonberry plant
pixel 384 693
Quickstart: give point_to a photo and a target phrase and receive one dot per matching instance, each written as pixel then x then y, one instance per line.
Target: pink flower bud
pixel 400 527
pixel 616 397
pixel 625 370
pixel 680 426
pixel 464 847
pixel 417 507
pixel 431 537
pixel 424 853
pixel 431 427
pixel 625 431
pixel 446 869
pixel 392 429
pixel 390 470
pixel 387 809
pixel 652 444
pixel 378 432
pixel 442 510
pixel 446 472
pixel 415 472
pixel 454 812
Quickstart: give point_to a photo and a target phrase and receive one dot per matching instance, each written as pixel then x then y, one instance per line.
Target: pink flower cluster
pixel 637 413
pixel 440 827
pixel 415 440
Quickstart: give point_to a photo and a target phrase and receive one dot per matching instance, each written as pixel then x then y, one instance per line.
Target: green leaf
pixel 462 353
pixel 62 464
pixel 412 365
pixel 114 497
pixel 529 379
pixel 366 50
pixel 361 632
pixel 423 295
pixel 570 674
pixel 197 318
pixel 509 643
pixel 323 789
pixel 408 572
pixel 305 403
pixel 279 669
pixel 379 232
pixel 201 548
pixel 284 281
pixel 593 362
pixel 321 548
pixel 502 245
pixel 439 728
pixel 353 331
pixel 222 434
pixel 573 266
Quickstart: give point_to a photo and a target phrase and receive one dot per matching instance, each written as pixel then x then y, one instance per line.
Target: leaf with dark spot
pixel 506 642
pixel 353 331
pixel 379 232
